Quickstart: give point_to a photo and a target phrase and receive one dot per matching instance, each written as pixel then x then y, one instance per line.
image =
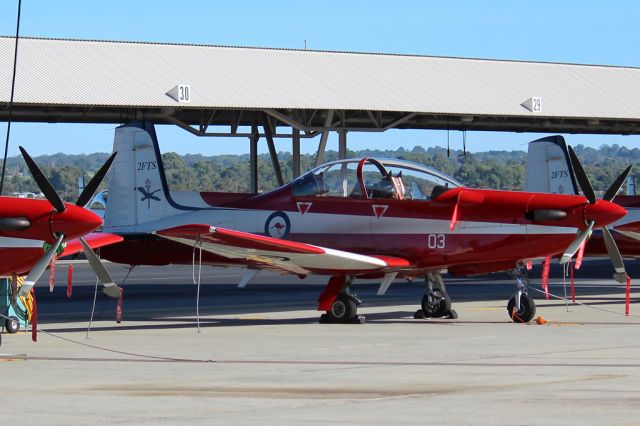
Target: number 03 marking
pixel 436 241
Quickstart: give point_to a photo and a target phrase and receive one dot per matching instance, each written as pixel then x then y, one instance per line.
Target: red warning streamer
pixel 119 309
pixel 69 281
pixel 580 254
pixel 628 298
pixel 545 276
pixel 454 218
pixel 52 273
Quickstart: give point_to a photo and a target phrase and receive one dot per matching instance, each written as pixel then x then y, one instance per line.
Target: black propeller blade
pixel 615 186
pixel 610 244
pixel 43 183
pixel 581 175
pixel 95 181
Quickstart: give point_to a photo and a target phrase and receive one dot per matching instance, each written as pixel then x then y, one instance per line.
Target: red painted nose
pixel 604 212
pixel 75 222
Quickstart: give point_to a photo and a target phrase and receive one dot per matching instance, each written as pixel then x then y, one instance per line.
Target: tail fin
pixel 138 190
pixel 549 167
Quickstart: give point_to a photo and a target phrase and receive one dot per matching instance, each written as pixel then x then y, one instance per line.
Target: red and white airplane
pixel 345 219
pixel 550 168
pixel 33 231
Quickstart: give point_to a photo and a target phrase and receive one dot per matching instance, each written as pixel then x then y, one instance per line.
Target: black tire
pixel 12 325
pixel 435 304
pixel 527 309
pixel 343 309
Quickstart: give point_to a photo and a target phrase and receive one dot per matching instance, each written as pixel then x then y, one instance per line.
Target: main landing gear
pixel 521 307
pixel 340 304
pixel 436 302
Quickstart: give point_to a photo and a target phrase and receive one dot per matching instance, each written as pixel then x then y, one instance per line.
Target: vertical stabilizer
pixel 549 167
pixel 137 188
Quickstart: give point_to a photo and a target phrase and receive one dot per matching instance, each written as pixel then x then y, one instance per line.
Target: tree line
pixel 230 173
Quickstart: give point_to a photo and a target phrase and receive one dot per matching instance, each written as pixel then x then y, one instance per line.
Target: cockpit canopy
pixel 371 178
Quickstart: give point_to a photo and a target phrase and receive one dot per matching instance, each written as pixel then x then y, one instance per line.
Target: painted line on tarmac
pixel 317 362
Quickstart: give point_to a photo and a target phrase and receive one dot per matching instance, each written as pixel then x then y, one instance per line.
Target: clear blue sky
pixel 562 31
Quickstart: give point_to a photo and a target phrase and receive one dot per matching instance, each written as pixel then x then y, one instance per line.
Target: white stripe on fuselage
pixel 9 242
pixel 253 221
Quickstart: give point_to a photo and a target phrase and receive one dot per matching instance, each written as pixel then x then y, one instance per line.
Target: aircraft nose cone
pixel 604 212
pixel 75 222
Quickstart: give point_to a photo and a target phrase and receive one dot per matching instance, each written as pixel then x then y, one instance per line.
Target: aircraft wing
pixel 278 255
pixel 94 240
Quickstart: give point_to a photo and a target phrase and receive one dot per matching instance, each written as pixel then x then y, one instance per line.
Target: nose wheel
pixel 521 307
pixel 525 312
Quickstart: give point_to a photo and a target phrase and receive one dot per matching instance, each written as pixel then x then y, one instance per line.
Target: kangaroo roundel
pixel 277 225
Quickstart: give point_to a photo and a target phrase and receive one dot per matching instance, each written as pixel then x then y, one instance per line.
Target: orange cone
pixel 540 320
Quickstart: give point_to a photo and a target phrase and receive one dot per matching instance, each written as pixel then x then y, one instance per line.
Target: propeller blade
pixel 94 183
pixel 581 175
pixel 575 244
pixel 40 266
pixel 43 183
pixel 14 223
pixel 615 186
pixel 110 288
pixel 612 248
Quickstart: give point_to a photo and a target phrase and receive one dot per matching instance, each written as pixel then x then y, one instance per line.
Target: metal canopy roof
pixel 106 81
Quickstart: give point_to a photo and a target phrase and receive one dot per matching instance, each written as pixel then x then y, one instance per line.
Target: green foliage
pixel 230 173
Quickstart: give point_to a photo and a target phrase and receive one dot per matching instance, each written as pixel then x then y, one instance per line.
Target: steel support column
pixel 268 133
pixel 342 144
pixel 295 152
pixel 253 159
pixel 323 139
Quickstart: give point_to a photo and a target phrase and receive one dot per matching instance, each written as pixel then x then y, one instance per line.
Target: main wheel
pixel 12 325
pixel 527 309
pixel 436 304
pixel 343 309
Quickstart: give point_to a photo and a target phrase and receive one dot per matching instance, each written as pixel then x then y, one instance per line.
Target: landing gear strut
pixel 436 302
pixel 340 304
pixel 521 307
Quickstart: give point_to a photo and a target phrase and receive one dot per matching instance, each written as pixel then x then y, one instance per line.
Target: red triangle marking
pixel 303 207
pixel 379 210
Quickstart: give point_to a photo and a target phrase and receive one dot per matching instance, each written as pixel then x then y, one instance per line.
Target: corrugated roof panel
pixel 69 72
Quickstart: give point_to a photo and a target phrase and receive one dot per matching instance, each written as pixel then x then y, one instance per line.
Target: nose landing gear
pixel 521 307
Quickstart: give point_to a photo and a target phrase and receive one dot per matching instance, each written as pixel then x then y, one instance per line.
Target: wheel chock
pixel 451 314
pixel 541 321
pixel 419 314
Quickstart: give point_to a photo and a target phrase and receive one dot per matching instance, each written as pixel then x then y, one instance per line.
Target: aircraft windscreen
pixel 334 180
pixel 340 180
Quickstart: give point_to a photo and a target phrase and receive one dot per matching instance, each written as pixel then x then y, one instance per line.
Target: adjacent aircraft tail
pixel 138 190
pixel 549 167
